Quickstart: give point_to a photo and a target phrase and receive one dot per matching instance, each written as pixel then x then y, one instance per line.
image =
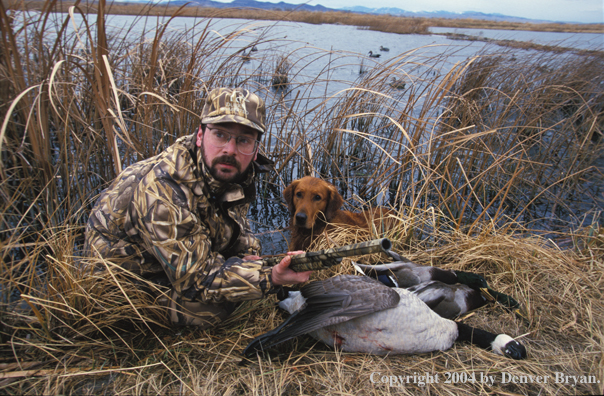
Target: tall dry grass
pixel 471 156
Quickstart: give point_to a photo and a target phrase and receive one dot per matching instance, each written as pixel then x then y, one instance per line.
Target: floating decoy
pixel 384 49
pixel 372 55
pixel 448 292
pixel 398 84
pixel 246 57
pixel 360 314
pixel 279 81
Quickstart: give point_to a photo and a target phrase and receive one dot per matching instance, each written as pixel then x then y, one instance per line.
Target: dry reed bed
pixel 103 338
pixel 469 155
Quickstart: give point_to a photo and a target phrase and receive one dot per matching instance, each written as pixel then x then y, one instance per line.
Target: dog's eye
pixel 317 197
pixel 299 194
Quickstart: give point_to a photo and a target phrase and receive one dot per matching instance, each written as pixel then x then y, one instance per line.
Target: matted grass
pixel 90 342
pixel 492 164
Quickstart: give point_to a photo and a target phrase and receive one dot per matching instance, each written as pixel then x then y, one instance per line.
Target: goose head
pixel 505 345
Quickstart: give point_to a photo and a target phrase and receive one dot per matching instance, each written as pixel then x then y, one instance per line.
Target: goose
pixel 360 314
pixel 372 55
pixel 382 48
pixel 448 292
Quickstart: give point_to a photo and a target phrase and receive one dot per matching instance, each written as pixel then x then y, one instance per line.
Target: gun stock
pixel 327 258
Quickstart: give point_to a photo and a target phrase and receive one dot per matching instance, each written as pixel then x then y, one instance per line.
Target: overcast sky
pixel 585 11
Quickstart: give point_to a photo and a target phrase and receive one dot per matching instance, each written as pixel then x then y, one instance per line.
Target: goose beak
pixel 514 350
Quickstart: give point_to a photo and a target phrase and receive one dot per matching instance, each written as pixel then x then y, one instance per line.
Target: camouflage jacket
pixel 167 213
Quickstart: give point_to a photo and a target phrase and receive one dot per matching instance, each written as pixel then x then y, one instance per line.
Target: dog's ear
pixel 288 194
pixel 335 202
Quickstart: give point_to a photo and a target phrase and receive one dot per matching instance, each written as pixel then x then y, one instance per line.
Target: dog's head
pixel 310 199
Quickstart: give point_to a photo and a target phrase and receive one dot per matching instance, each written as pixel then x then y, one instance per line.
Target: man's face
pixel 227 163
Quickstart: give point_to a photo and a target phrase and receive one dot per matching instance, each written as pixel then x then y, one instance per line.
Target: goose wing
pixel 328 302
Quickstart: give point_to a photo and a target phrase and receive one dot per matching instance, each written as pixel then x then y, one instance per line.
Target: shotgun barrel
pixel 323 259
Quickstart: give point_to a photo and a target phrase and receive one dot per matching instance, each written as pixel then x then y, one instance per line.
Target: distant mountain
pixel 360 9
pixel 263 5
pixel 438 14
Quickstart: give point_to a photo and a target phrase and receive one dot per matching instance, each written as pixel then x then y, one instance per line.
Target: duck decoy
pixel 454 292
pixel 360 314
pixel 372 55
pixel 254 49
pixel 397 84
pixel 246 57
pixel 279 81
pixel 385 49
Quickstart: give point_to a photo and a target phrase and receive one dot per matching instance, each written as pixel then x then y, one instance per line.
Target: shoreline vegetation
pixel 383 22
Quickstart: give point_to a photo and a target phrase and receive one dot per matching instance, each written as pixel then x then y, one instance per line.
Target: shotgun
pixel 323 259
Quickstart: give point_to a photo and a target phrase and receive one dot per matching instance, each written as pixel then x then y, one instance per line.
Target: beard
pixel 234 177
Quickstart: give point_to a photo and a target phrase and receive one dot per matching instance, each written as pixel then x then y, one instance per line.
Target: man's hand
pixel 283 275
pixel 252 258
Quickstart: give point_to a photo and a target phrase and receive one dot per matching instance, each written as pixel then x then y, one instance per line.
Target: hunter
pixel 182 215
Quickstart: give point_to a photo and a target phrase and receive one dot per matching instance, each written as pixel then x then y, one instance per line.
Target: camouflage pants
pixel 202 315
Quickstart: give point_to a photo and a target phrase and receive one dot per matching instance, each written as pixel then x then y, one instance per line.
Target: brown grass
pixel 89 342
pixel 493 165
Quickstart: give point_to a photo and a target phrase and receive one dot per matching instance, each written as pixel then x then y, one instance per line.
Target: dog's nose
pixel 301 219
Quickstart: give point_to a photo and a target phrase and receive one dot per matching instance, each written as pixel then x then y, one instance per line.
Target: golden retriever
pixel 314 204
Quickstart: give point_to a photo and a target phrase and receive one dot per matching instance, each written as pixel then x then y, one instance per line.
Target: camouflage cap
pixel 234 105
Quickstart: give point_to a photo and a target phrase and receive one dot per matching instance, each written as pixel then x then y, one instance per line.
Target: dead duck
pixel 372 55
pixel 405 273
pixel 360 314
pixel 448 301
pixel 448 292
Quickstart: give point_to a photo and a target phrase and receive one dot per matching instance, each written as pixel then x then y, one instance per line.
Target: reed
pixel 471 157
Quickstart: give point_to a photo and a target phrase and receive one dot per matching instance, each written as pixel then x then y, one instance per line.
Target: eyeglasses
pixel 219 138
